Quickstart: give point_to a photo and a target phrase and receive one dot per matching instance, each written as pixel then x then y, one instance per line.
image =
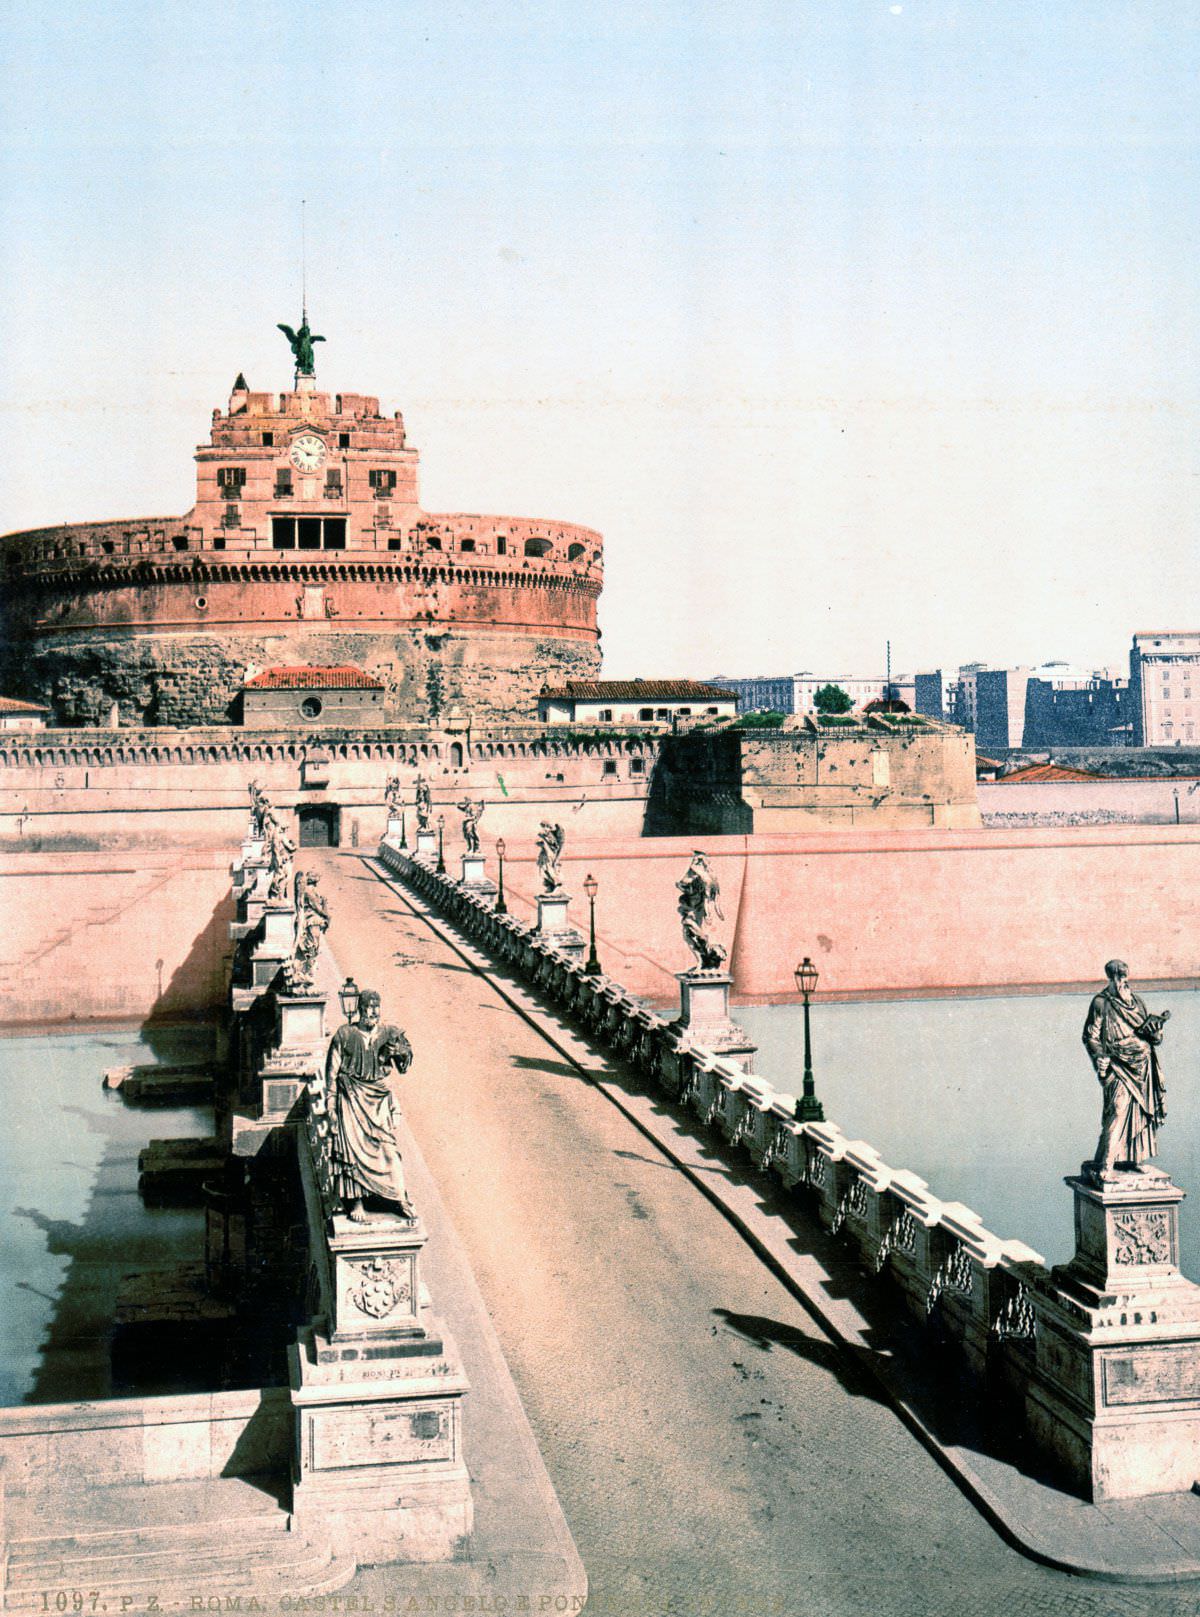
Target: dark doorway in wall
pixel 318 825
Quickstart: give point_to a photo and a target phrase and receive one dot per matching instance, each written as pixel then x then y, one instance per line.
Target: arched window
pixel 537 547
pixel 574 553
pixel 456 755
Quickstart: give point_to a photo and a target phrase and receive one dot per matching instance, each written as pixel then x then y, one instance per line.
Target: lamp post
pixel 808 1107
pixel 592 965
pixel 501 906
pixel 441 864
pixel 403 832
pixel 348 997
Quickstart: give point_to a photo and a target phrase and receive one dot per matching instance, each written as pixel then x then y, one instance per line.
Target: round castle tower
pixel 306 545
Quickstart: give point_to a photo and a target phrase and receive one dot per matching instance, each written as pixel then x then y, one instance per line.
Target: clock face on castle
pixel 308 452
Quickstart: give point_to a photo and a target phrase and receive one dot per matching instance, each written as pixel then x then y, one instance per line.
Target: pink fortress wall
pixel 124 936
pixel 895 912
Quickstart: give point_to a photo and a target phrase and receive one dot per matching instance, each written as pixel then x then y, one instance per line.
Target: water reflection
pixel 991 1100
pixel 74 1223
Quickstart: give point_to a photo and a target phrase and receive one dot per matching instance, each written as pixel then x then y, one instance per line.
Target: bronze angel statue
pixel 302 346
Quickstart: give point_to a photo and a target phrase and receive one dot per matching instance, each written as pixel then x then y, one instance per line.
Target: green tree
pixel 832 699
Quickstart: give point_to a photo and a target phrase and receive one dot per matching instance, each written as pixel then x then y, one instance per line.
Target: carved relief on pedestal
pixel 1141 1236
pixel 382 1287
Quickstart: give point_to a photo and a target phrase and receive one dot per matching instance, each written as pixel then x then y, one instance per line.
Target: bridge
pixel 733 1410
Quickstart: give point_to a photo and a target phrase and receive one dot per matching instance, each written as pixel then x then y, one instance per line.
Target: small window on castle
pixel 645 714
pixel 433 543
pixel 283 533
pixel 343 440
pixel 610 766
pixel 218 541
pixel 283 484
pixel 180 541
pixel 395 544
pixel 268 439
pixel 107 546
pixel 467 546
pixel 574 553
pixel 308 533
pixel 537 547
pixel 231 480
pixel 605 715
pixel 383 482
pixel 233 517
pixel 502 547
pixel 685 712
pixel 333 477
pixel 637 766
pixel 335 533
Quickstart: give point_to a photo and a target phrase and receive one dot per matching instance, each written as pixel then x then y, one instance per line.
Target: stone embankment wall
pixel 983 1292
pixel 87 938
pixel 897 913
pixel 1165 801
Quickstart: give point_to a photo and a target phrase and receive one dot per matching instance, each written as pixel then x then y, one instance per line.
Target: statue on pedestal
pixel 312 922
pixel 424 804
pixel 391 796
pixel 471 813
pixel 1122 1039
pixel 301 344
pixel 279 849
pixel 550 840
pixel 699 894
pixel 260 803
pixel 364 1155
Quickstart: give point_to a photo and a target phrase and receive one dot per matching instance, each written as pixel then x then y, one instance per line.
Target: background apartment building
pixel 1164 684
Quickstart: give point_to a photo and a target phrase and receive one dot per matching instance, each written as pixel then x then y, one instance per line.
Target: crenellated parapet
pixel 306 544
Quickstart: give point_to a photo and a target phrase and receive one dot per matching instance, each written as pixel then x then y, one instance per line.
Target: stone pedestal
pixel 426 845
pixel 377 1388
pixel 704 1013
pixel 553 925
pixel 279 927
pixel 1115 1394
pixel 473 872
pixel 299 1023
pixel 395 829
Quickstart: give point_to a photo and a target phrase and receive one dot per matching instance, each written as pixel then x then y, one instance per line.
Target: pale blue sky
pixel 839 320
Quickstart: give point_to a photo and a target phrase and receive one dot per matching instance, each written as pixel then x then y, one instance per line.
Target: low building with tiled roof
pixel 18 715
pixel 633 701
pixel 286 698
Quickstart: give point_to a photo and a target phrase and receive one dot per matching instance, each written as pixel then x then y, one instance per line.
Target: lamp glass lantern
pixel 348 997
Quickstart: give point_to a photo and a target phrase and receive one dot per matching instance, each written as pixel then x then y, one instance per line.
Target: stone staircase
pixel 166 1547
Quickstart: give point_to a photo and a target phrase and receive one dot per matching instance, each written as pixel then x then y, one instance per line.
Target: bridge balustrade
pixel 973 1289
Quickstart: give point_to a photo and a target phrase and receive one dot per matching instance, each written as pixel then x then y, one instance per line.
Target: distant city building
pixel 793 693
pixel 999 702
pixel 16 715
pixel 932 694
pixel 1164 688
pixel 634 701
pixel 766 693
pixel 1092 712
pixel 284 698
pixel 1052 705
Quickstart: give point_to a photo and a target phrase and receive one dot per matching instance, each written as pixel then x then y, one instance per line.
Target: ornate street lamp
pixel 348 996
pixel 808 1107
pixel 501 906
pixel 441 864
pixel 590 887
pixel 403 833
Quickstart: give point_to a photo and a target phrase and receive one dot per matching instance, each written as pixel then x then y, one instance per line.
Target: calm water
pixel 990 1100
pixel 74 1223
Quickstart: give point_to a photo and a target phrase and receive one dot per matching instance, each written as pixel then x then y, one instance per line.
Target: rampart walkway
pixel 712 1449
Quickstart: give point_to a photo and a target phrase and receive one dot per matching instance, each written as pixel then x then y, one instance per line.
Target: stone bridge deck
pixel 713 1449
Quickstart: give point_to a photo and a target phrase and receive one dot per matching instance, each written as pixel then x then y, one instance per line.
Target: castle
pixel 307 545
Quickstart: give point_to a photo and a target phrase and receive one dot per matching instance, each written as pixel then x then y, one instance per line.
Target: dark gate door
pixel 318 825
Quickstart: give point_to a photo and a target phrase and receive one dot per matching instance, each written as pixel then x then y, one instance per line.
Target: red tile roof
pixel 11 704
pixel 633 690
pixel 313 679
pixel 1035 772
